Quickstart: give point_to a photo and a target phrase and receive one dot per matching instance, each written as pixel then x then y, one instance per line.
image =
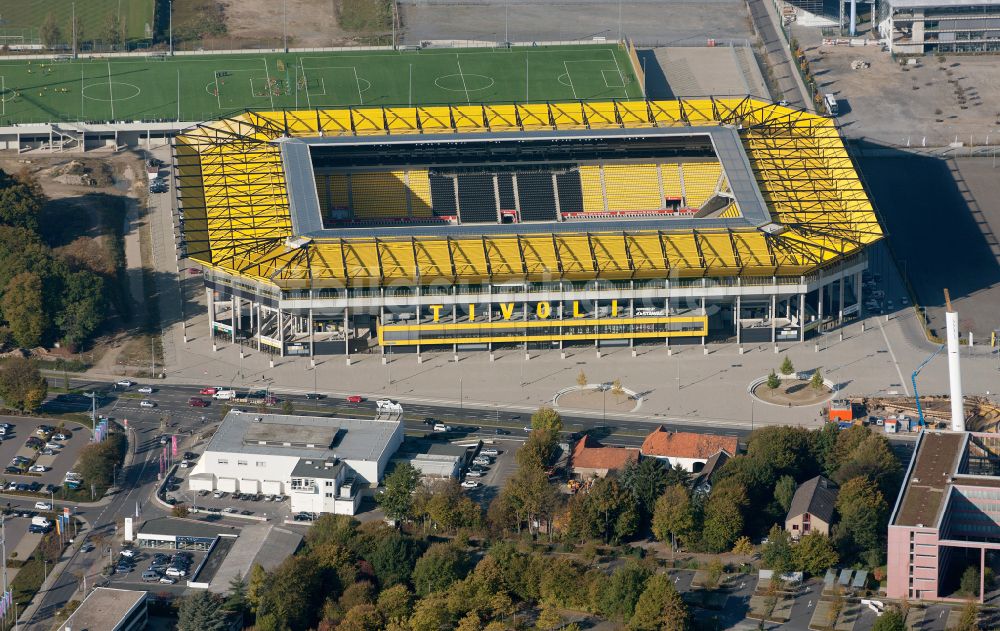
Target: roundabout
pixel 795 390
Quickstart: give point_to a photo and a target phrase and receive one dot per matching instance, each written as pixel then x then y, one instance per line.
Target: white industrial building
pixel 322 464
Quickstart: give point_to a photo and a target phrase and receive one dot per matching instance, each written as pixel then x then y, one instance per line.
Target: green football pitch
pixel 207 87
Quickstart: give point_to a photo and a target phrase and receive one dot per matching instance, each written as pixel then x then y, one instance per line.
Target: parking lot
pixel 58 463
pixel 495 474
pixel 141 562
pixel 258 505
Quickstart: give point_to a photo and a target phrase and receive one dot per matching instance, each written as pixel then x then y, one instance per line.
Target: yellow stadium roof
pixel 235 201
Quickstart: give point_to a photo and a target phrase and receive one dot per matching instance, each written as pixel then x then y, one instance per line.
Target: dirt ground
pixel 593 400
pixel 74 218
pixel 309 22
pixel 792 392
pixel 933 102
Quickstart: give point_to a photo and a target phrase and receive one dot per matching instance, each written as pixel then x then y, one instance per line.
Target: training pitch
pixel 203 88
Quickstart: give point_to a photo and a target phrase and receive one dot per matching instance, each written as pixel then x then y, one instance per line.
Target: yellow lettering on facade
pixel 472 313
pixel 614 308
pixel 576 309
pixel 436 309
pixel 543 309
pixel 506 310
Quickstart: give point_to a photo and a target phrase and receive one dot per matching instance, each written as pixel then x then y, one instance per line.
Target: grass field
pixel 92 14
pixel 146 89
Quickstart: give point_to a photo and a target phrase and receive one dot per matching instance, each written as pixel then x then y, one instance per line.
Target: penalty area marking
pixel 109 86
pixel 618 84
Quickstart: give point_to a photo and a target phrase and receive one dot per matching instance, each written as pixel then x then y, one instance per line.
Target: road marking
pixel 892 354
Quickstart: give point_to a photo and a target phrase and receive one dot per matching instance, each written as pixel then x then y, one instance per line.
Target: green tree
pixel 328 528
pixel 236 598
pixel 82 307
pixel 397 498
pixel 660 608
pixel 743 547
pixel 201 611
pixel 395 603
pixel 50 32
pixel 291 595
pixel 256 585
pixel 287 407
pixel 430 614
pixel 621 591
pixel 440 566
pixel 448 508
pixel 872 458
pixel 24 309
pixel 548 618
pixel 607 511
pixel 777 554
pixel 891 619
pixel 180 511
pixel 816 381
pixel 22 386
pixel 815 553
pixel 969 584
pixel 528 496
pixel 724 515
pixel 786 366
pixel 364 617
pixel 646 480
pixel 393 558
pixel 21 202
pixel 863 517
pixel 784 491
pixel 98 461
pixel 673 515
pixel 773 381
pixel 547 420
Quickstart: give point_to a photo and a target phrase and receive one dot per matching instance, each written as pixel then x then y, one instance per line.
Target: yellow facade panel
pixel 717 251
pixel 335 122
pixel 302 123
pixel 470 258
pixel 505 258
pixel 648 256
pixel 401 120
pixel 433 260
pixel 611 255
pixel 698 112
pixel 361 259
pixel 567 115
pixel 540 256
pixel 368 120
pixel 534 116
pixel 574 253
pixel 468 117
pixel 600 115
pixel 666 113
pixel 634 113
pixel 501 117
pixel 396 259
pixel 434 119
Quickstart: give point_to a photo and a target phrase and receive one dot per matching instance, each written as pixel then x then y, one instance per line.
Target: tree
pixel 256 586
pixel 815 553
pixel 236 599
pixel 743 547
pixel 179 510
pixel 395 603
pixel 616 388
pixel 969 584
pixel 673 515
pixel 969 620
pixel 548 618
pixel 892 619
pixel 873 459
pixel 397 498
pixel 201 611
pixel 547 420
pixel 439 567
pixel 777 554
pixel 447 507
pixel 646 480
pixel 713 573
pixel 773 381
pixel 581 379
pixel 98 461
pixel 621 591
pixel 21 202
pixel 114 28
pixel 292 594
pixel 724 515
pixel 24 309
pixel 49 32
pixel 660 607
pixel 863 516
pixel 362 617
pixel 816 381
pixel 22 386
pixel 287 407
pixel 393 558
pixel 786 366
pixel 784 491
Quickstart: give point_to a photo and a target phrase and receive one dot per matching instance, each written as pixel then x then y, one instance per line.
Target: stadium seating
pixel 593 189
pixel 537 196
pixel 700 182
pixel 339 199
pixel 671 176
pixel 379 195
pixel 632 187
pixel 732 210
pixel 420 194
pixel 323 190
pixel 476 200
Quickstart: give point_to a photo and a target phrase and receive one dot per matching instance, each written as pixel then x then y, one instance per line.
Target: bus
pixel 831 104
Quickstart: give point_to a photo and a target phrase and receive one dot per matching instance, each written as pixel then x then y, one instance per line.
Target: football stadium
pixel 477 227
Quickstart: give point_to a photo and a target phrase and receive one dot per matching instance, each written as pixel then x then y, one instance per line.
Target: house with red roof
pixel 689 450
pixel 592 459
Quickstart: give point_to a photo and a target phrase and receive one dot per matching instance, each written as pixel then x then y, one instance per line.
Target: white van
pixel 38 520
pixel 224 395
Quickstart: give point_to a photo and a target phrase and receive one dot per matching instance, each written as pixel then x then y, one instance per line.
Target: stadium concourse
pixel 477 227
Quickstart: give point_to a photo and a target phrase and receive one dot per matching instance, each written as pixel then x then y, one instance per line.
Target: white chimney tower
pixel 954 369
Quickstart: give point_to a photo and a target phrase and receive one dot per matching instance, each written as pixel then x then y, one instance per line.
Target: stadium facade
pixel 476 227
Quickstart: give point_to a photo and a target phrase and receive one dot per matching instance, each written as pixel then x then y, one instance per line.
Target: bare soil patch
pixel 309 22
pixel 593 399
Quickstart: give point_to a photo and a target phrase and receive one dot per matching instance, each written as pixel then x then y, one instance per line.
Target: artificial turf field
pixel 204 88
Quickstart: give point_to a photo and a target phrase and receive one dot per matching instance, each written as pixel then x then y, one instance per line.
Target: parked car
pixel 179 572
pixel 482 460
pixel 470 484
pixel 43 506
pixel 37 468
pixel 474 473
pixel 315 396
pixel 150 576
pixel 124 383
pixel 13 470
pixel 47 452
pixel 146 403
pixel 489 451
pixel 60 436
pixel 128 552
pixel 53 445
pixel 168 580
pixel 355 398
pixel 303 517
pixel 229 509
pixel 219 494
pixel 184 464
pixel 441 427
pixel 197 402
pixel 146 390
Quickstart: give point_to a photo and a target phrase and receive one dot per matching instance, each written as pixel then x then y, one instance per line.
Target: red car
pixel 355 398
pixel 198 403
pixel 208 391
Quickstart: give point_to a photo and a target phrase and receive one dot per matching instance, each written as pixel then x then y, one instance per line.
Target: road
pixel 777 54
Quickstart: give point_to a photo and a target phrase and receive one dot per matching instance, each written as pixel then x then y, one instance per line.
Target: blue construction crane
pixel 913 379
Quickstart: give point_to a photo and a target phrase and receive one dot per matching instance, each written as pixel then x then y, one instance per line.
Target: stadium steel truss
pixel 232 188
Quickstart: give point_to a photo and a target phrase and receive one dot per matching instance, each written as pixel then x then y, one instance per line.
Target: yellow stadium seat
pixel 593 190
pixel 632 187
pixel 700 182
pixel 420 193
